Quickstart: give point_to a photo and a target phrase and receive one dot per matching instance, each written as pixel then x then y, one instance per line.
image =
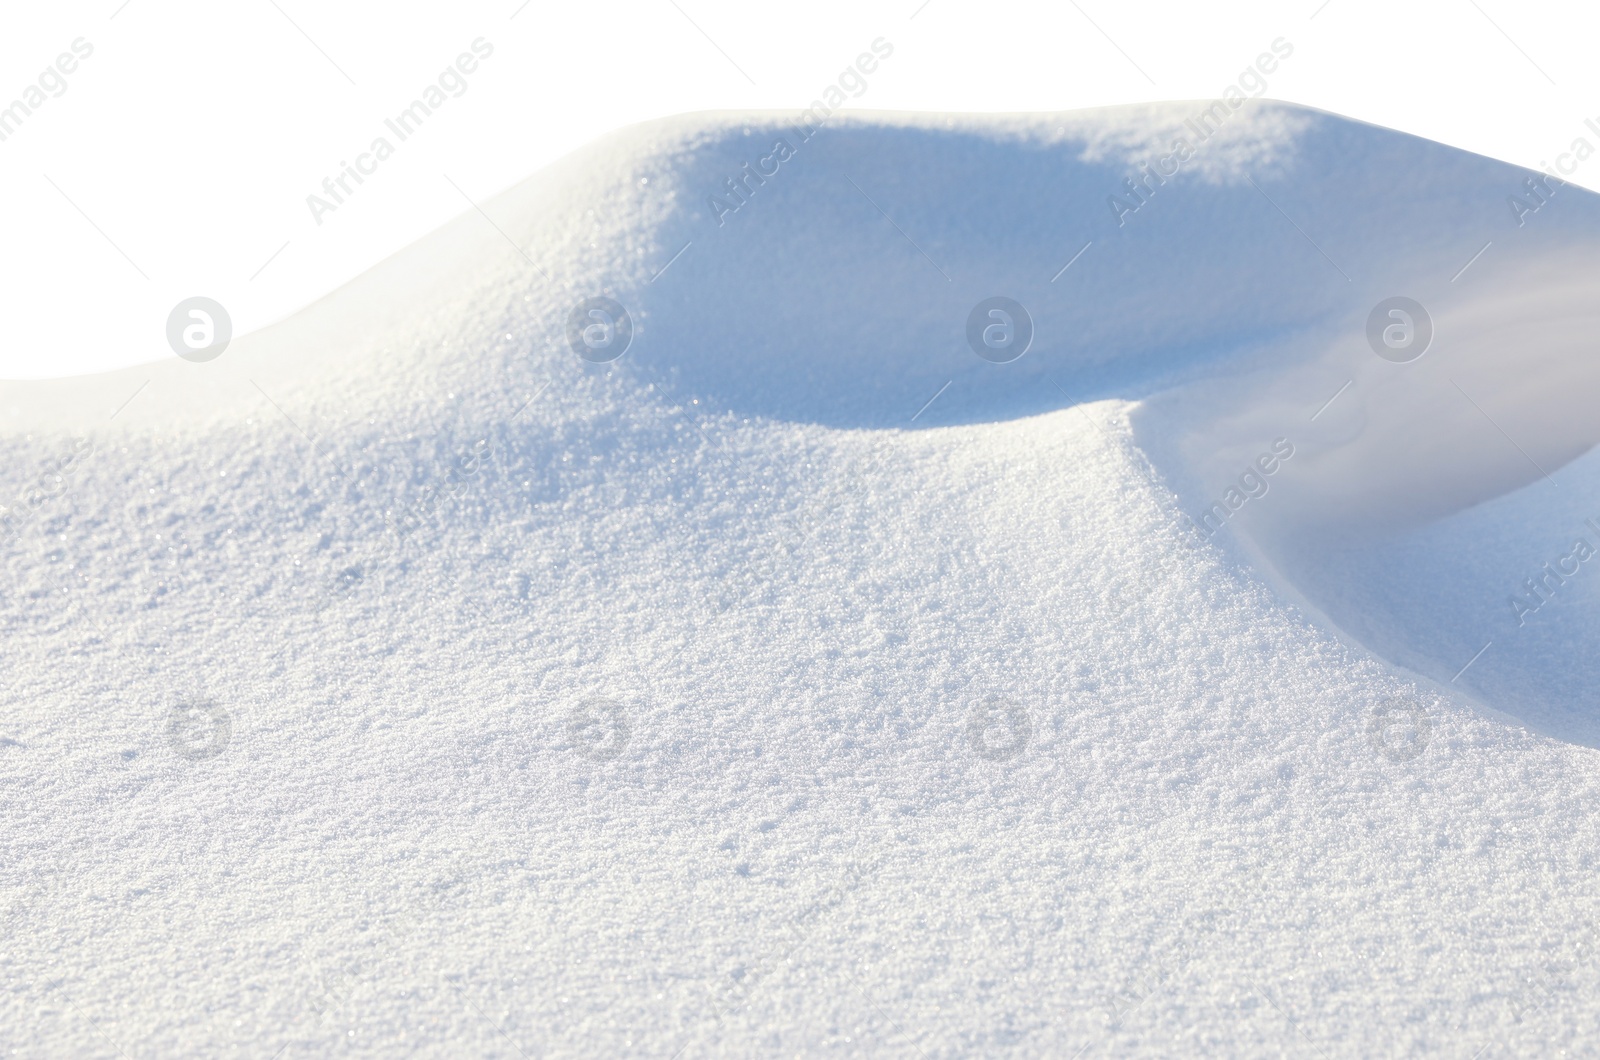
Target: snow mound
pixel 419 677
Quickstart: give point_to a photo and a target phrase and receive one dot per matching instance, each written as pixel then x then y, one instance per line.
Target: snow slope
pixel 401 682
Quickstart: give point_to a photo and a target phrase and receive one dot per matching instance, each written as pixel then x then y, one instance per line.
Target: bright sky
pixel 177 159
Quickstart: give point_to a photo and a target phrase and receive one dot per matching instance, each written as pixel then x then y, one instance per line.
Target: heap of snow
pixel 403 681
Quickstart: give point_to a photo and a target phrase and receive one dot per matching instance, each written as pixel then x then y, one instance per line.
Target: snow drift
pixel 403 680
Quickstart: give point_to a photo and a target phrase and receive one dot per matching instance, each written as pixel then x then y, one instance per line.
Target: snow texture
pixel 401 683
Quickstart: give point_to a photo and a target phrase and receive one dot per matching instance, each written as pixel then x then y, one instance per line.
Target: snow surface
pixel 733 699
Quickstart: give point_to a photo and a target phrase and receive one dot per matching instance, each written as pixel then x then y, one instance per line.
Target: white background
pixel 178 161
